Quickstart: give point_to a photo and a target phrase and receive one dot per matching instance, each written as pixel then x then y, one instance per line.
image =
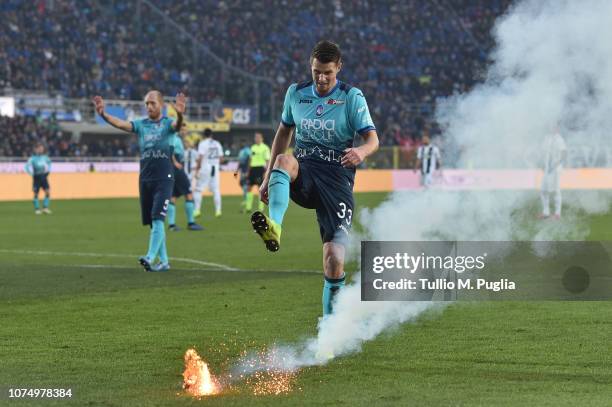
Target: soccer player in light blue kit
pixel 325 114
pixel 155 134
pixel 244 157
pixel 39 166
pixel 182 185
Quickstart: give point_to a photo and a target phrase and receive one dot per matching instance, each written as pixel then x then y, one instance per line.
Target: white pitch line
pixel 132 256
pixel 114 266
pixel 123 256
pixel 94 266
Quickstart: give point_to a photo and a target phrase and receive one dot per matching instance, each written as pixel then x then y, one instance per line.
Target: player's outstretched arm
pixel 354 156
pixel 179 107
pixel 109 118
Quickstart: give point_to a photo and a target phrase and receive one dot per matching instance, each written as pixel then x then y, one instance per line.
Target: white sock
pixel 558 202
pixel 217 201
pixel 197 200
pixel 545 203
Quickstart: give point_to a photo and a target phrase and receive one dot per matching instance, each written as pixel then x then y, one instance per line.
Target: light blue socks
pixel 189 208
pixel 156 239
pixel 330 290
pixel 278 192
pixel 171 214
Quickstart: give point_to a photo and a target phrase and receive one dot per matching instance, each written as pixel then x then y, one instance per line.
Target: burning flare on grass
pixel 197 379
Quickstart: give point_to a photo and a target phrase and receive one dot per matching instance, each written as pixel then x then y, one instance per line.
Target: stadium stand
pixel 403 55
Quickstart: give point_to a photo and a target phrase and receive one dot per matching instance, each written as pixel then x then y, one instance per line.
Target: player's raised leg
pixel 284 172
pixel 276 192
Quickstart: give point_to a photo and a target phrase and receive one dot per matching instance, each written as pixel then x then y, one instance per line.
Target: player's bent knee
pixel 288 163
pixel 285 162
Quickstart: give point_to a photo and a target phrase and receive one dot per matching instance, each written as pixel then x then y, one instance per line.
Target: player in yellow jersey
pixel 260 156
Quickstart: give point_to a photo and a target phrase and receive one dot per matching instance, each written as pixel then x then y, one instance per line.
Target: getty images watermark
pixel 448 271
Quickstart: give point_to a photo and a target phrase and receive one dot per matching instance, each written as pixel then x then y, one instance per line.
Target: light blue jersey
pixel 325 124
pixel 179 150
pixel 155 141
pixel 244 157
pixel 38 164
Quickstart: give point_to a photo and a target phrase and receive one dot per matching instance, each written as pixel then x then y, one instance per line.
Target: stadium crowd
pixel 19 134
pixel 402 54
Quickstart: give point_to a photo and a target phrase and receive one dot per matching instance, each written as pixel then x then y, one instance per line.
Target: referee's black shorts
pixel 256 175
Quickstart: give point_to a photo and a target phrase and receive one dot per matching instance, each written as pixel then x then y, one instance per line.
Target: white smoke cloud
pixel 552 65
pixel 343 332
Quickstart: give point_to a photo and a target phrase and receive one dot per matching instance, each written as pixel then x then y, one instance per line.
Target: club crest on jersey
pixel 319 110
pixel 335 102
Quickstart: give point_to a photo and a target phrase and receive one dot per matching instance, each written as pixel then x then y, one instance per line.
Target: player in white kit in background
pixel 210 153
pixel 428 160
pixel 555 154
pixel 190 160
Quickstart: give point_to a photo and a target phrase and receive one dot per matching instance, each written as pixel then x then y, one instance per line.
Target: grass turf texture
pixel 116 335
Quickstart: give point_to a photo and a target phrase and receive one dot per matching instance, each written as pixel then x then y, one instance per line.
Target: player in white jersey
pixel 555 154
pixel 210 154
pixel 428 160
pixel 190 158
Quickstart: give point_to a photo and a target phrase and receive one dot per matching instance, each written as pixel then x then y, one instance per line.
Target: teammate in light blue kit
pixel 244 156
pixel 325 114
pixel 155 134
pixel 182 185
pixel 39 166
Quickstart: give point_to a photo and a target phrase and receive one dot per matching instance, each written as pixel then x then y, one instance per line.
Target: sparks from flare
pixel 272 383
pixel 262 381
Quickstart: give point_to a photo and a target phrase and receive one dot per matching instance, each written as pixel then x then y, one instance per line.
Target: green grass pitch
pixel 76 311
